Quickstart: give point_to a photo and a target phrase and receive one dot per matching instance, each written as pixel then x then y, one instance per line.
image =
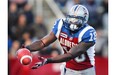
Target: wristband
pixel 43 43
pixel 49 60
pixel 28 48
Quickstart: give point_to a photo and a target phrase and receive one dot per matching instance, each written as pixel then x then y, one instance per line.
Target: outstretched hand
pixel 41 63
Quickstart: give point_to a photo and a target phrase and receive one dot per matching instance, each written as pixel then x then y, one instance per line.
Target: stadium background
pixel 29 20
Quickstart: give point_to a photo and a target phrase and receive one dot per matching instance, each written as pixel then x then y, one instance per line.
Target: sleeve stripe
pixel 59 28
pixel 83 31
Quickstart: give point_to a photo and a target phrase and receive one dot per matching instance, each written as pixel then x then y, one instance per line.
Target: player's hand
pixel 41 63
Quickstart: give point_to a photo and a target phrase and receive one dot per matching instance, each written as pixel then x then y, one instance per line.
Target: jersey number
pixel 80 58
pixel 92 36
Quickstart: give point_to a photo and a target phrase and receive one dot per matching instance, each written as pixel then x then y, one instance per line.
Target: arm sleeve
pixel 89 36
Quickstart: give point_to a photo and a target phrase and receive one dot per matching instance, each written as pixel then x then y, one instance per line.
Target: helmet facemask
pixel 74 22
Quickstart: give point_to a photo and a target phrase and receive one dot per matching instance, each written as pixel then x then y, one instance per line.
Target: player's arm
pixel 88 40
pixel 74 52
pixel 45 41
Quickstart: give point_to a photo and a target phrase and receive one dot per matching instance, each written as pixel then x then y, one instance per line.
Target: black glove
pixel 41 63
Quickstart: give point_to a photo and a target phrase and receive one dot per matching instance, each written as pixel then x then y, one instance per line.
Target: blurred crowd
pixel 24 27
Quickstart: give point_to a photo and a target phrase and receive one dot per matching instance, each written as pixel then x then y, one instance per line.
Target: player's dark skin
pixel 75 51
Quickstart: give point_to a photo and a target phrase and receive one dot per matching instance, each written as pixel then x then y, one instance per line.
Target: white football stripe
pixel 25 56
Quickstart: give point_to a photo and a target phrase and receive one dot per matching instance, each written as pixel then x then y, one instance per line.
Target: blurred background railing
pixel 30 20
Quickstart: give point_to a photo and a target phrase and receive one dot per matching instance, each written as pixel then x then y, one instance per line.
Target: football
pixel 24 56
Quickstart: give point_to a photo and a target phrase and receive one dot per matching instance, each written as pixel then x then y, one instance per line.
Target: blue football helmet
pixel 77 17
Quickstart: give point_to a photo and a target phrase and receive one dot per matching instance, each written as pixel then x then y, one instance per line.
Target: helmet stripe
pixel 76 11
pixel 75 8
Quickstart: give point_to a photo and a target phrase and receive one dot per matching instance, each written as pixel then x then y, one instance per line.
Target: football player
pixel 77 40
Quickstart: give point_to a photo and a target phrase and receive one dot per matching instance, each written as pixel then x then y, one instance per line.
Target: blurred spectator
pixel 12 17
pixel 20 3
pixel 101 44
pixel 105 16
pixel 105 23
pixel 93 14
pixel 26 39
pixel 28 13
pixel 20 27
pixel 14 48
pixel 39 27
pixel 105 6
pixel 102 32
